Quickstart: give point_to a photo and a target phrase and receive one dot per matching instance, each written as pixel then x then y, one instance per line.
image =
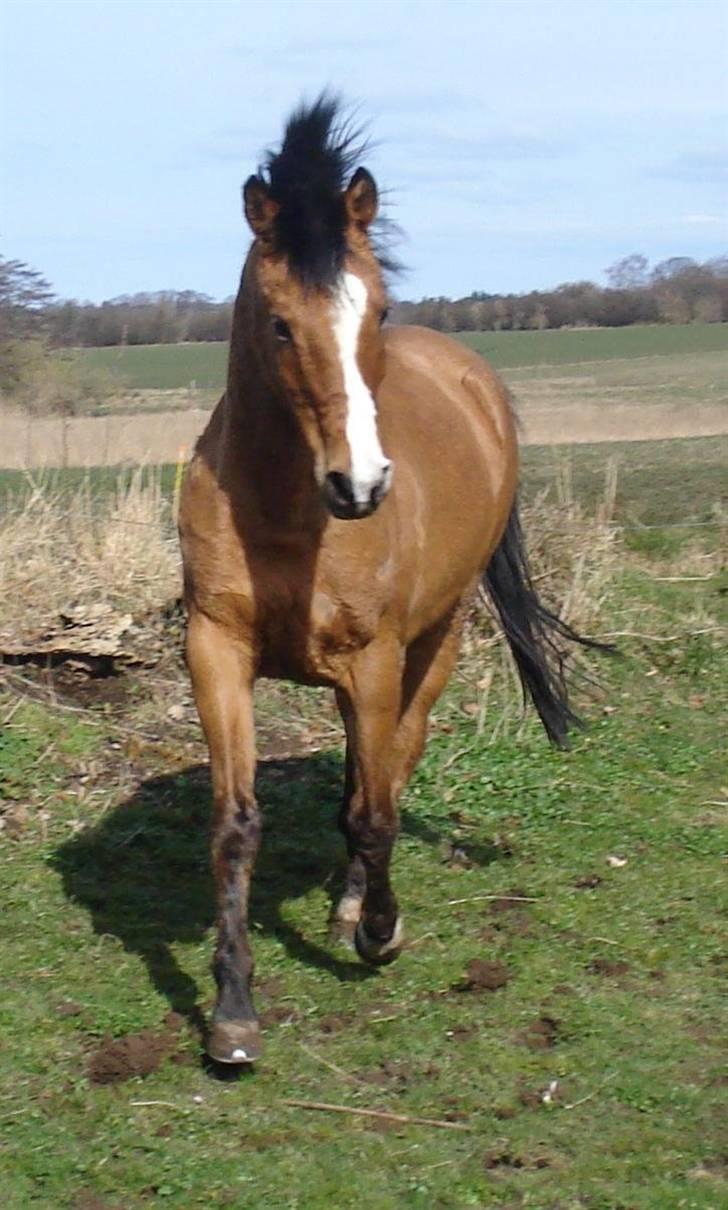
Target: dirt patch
pixel 505 1158
pixel 393 1074
pixel 118 1059
pixel 333 1023
pixel 588 882
pixel 510 901
pixel 274 1008
pixel 508 914
pixel 541 1034
pixel 461 1033
pixel 483 976
pixel 610 969
pixel 86 1199
pixel 516 923
pixel 69 1008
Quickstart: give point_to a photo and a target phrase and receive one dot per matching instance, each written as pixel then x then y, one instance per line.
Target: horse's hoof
pixel 341 932
pixel 343 925
pixel 379 952
pixel 235 1042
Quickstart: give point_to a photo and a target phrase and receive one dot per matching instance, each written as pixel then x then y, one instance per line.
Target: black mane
pixel 307 179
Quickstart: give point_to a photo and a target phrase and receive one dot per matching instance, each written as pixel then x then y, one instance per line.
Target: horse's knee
pixel 372 837
pixel 236 836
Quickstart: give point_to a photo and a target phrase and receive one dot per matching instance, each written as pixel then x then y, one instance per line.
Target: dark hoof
pixel 235 1042
pixel 379 953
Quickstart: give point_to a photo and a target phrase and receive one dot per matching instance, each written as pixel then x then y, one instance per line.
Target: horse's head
pixel 321 301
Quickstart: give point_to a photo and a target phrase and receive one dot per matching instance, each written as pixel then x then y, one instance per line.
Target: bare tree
pixel 629 273
pixel 24 296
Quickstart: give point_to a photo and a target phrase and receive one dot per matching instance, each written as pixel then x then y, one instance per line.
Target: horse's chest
pixel 311 634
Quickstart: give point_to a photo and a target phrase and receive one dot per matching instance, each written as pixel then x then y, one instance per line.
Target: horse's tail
pixel 533 633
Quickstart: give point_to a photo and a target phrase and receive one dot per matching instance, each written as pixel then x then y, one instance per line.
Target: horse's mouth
pixel 342 503
pixel 350 512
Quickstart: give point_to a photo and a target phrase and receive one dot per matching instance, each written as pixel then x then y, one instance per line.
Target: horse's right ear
pixel 260 209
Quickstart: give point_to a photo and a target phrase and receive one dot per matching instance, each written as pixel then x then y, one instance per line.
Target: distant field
pixel 164 367
pixel 174 367
pixel 597 385
pixel 565 346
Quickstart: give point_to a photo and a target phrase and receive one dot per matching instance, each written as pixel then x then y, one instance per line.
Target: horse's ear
pixel 361 198
pixel 260 209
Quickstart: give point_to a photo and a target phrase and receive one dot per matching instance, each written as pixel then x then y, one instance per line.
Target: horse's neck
pixel 266 460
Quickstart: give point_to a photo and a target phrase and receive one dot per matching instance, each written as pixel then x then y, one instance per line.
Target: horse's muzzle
pixel 343 502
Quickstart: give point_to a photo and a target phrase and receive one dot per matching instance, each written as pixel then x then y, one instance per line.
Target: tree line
pixel 677 290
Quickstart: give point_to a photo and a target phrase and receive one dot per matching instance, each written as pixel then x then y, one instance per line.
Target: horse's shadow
pixel 143 871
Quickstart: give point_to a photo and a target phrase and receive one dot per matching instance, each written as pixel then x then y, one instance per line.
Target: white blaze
pixel 368 463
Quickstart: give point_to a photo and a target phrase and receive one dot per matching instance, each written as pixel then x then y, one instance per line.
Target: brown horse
pixel 351 488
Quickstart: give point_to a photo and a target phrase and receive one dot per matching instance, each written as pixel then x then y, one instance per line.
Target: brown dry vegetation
pixel 113 560
pixel 61 551
pixel 548 416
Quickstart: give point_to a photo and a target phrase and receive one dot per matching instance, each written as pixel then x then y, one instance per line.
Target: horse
pixel 354 484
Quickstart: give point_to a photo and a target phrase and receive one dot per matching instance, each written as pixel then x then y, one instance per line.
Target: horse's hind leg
pixel 221 672
pixel 370 706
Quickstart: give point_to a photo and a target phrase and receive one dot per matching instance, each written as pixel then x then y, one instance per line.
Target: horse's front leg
pixel 370 705
pixel 347 912
pixel 222 679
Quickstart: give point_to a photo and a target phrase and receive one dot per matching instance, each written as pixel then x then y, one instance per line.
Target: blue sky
pixel 522 142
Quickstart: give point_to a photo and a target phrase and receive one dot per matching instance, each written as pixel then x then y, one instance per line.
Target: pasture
pixel 570 386
pixel 556 1011
pixel 177 367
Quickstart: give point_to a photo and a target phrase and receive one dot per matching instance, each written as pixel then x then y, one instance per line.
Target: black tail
pixel 533 633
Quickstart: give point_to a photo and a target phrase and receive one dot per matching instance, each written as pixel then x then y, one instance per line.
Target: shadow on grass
pixel 143 871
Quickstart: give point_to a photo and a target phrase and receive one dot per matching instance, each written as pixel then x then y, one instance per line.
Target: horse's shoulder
pixel 459 371
pixel 407 342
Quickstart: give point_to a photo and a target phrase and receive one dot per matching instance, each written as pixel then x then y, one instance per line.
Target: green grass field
pixel 590 1079
pixel 610 1004
pixel 164 367
pixel 172 367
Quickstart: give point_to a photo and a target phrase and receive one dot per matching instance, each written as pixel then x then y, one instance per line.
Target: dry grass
pixel 575 558
pixel 61 551
pixel 58 550
pixel 121 549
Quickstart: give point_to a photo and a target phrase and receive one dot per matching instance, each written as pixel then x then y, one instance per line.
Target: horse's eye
pixel 384 315
pixel 281 329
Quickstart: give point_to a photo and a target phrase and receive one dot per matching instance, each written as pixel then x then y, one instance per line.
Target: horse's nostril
pixel 341 487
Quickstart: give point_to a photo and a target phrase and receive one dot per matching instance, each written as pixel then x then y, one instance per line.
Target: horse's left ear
pixel 361 198
pixel 260 209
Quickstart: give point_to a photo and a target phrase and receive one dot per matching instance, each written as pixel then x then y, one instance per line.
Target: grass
pixel 612 997
pixel 174 367
pixel 165 367
pixel 646 470
pixel 658 482
pixel 678 382
pixel 107 926
pixel 568 345
pixel 80 541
